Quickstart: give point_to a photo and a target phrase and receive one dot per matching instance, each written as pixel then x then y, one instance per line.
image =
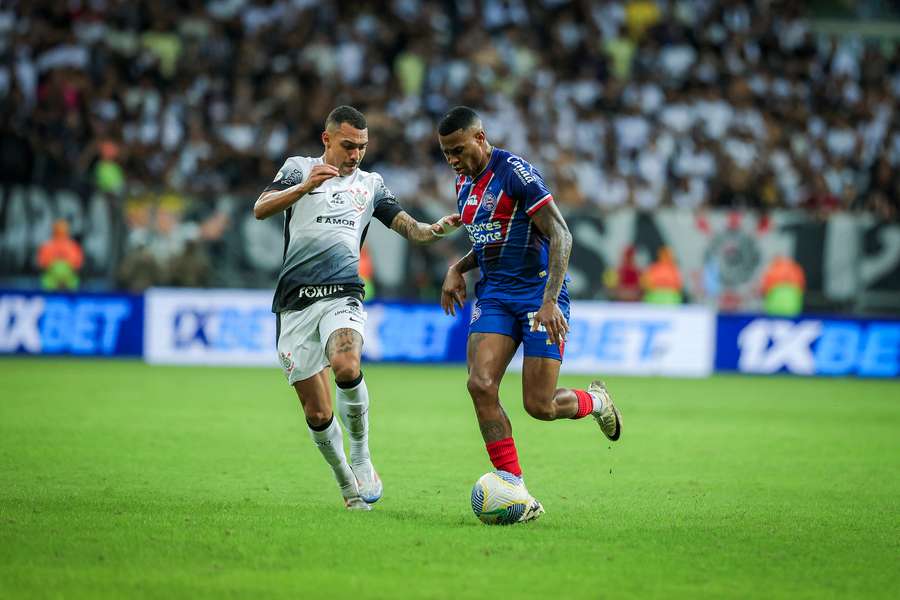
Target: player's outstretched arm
pixel 423 233
pixel 453 292
pixel 274 201
pixel 551 223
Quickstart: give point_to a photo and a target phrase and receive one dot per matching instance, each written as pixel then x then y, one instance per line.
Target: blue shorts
pixel 512 317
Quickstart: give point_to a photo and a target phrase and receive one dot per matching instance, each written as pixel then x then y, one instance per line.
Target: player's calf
pixel 542 411
pixel 562 404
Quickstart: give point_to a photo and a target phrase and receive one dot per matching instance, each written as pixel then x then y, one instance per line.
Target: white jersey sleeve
pixel 294 170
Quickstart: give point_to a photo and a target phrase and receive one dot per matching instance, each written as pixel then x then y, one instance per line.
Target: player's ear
pixel 325 138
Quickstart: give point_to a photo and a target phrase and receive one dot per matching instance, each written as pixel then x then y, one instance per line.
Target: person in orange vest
pixel 782 287
pixel 366 273
pixel 60 258
pixel 661 280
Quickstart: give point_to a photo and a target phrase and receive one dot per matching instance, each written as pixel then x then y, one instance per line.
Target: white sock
pixel 353 406
pixel 330 442
pixel 598 402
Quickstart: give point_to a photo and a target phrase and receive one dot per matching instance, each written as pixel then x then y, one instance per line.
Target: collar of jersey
pixel 487 166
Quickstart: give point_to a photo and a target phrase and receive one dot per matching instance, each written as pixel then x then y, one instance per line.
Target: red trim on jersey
pixel 460 179
pixel 503 212
pixel 540 203
pixel 469 210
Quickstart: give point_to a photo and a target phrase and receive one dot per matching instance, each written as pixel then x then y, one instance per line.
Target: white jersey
pixel 324 231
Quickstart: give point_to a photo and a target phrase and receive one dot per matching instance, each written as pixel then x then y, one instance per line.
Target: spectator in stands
pixel 662 280
pixel 625 102
pixel 366 272
pixel 60 258
pixel 624 282
pixel 782 287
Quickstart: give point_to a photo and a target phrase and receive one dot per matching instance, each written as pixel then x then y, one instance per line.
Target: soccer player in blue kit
pixel 521 244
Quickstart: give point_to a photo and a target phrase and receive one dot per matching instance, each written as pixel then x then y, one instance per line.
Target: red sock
pixel 585 404
pixel 504 456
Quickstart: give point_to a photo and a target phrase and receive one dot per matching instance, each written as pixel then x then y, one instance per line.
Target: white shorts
pixel 303 334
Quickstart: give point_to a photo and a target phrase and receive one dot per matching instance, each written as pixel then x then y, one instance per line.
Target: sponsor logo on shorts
pixel 352 308
pixel 531 323
pixel 476 313
pixel 319 291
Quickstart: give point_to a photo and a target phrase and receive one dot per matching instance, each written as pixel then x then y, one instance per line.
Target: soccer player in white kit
pixel 328 203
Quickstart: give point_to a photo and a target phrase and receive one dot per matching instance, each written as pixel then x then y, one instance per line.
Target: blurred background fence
pixel 851 261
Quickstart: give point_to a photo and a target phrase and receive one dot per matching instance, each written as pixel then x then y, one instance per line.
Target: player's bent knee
pixel 345 369
pixel 543 411
pixel 317 417
pixel 482 387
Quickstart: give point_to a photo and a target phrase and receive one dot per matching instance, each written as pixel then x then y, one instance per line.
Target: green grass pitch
pixel 123 480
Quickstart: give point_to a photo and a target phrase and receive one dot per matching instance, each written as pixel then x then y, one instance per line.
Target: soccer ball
pixel 499 498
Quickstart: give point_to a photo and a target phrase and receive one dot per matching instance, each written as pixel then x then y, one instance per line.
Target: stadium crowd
pixel 640 103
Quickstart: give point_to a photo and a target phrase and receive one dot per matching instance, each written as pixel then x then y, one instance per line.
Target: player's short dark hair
pixel 346 114
pixel 460 117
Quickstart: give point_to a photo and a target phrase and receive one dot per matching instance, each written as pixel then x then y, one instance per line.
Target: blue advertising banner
pixel 808 346
pixel 237 327
pixel 77 324
pixel 403 332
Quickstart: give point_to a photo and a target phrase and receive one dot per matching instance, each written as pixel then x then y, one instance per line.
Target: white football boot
pixel 607 416
pixel 534 509
pixel 370 486
pixel 356 503
pixel 531 513
pixel 352 498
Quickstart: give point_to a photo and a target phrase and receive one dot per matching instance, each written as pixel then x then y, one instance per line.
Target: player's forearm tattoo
pixel 411 229
pixel 552 224
pixel 560 249
pixel 466 263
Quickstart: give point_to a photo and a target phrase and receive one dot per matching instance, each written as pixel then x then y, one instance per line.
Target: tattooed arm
pixel 423 233
pixel 551 223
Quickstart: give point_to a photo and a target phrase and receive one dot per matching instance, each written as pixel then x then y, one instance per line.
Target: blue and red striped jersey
pixel 496 208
